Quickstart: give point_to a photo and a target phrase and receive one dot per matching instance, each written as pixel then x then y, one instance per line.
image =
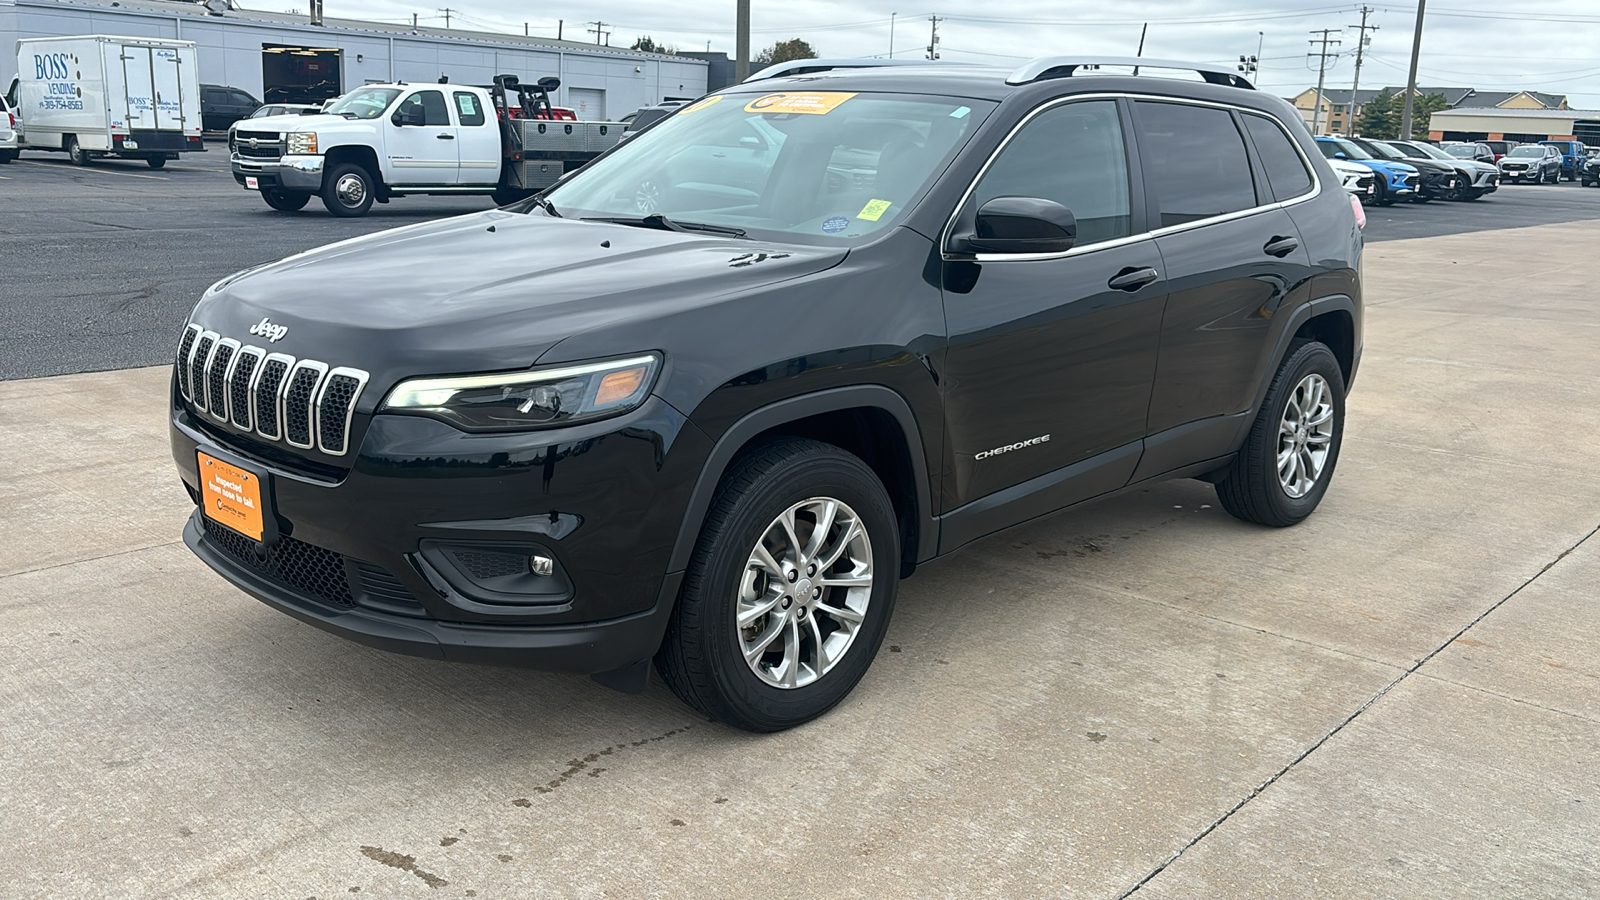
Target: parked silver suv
pixel 1534 163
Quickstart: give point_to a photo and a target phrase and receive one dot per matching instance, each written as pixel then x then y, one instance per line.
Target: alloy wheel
pixel 804 592
pixel 1305 434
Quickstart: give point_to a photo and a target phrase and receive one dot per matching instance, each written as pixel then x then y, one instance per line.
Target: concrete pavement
pixel 1395 699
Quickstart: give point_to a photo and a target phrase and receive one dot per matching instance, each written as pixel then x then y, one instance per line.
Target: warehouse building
pixel 289 58
pixel 1525 125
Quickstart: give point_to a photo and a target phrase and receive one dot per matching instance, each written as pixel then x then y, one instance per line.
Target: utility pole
pixel 933 38
pixel 599 30
pixel 561 25
pixel 1142 32
pixel 1411 80
pixel 891 34
pixel 1361 44
pixel 447 11
pixel 1322 71
pixel 741 65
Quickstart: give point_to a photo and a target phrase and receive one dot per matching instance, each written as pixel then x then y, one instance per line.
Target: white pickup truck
pixel 387 140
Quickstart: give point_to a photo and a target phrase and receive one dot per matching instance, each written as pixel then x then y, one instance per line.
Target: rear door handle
pixel 446 137
pixel 1131 279
pixel 1281 246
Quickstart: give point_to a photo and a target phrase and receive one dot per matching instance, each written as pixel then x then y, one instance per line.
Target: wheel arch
pixel 871 421
pixel 360 154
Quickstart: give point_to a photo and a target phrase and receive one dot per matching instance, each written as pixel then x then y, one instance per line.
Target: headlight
pixel 302 142
pixel 539 398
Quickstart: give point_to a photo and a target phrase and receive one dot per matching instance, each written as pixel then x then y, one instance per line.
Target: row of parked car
pixel 1388 171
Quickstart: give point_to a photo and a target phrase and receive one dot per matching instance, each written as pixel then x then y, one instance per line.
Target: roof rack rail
pixel 1063 66
pixel 811 66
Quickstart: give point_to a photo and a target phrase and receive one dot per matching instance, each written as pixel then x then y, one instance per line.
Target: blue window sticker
pixel 835 225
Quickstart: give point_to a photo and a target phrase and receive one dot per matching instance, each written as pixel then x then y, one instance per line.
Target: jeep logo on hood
pixel 265 328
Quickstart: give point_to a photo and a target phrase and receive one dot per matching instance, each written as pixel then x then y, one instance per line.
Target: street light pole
pixel 741 65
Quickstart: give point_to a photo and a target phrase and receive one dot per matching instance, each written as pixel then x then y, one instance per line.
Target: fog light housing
pixel 496 575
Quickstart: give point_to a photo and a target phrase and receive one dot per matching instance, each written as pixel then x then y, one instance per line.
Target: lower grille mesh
pixel 305 568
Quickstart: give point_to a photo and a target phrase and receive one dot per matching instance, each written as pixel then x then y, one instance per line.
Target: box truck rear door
pixel 168 93
pixel 140 88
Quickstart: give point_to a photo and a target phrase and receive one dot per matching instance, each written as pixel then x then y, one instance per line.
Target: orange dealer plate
pixel 231 496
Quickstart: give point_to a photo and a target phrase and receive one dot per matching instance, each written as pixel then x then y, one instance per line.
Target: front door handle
pixel 1281 246
pixel 445 137
pixel 1131 279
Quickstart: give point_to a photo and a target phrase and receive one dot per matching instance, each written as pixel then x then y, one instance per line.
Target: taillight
pixel 1361 214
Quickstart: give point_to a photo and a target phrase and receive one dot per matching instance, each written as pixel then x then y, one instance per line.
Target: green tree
pixel 648 44
pixel 1422 109
pixel 1380 117
pixel 783 51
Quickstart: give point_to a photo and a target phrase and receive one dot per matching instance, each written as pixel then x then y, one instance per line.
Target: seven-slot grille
pixel 301 401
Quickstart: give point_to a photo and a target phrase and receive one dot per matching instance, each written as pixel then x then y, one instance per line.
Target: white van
pixel 100 95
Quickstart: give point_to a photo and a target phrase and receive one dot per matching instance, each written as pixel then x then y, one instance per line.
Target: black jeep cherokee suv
pixel 708 400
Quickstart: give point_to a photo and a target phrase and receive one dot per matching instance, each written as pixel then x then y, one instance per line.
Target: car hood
pixel 483 292
pixel 1431 166
pixel 291 122
pixel 1528 160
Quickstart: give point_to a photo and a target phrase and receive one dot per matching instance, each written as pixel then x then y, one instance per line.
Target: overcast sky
pixel 1551 45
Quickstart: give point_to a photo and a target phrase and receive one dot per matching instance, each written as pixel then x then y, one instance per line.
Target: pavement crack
pixel 403 863
pixel 76 562
pixel 1317 745
pixel 1517 700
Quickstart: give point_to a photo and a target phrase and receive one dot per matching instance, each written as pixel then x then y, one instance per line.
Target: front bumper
pixel 1521 174
pixel 289 173
pixel 379 553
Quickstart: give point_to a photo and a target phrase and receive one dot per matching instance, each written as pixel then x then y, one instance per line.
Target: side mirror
pixel 1022 225
pixel 409 115
pixel 1340 155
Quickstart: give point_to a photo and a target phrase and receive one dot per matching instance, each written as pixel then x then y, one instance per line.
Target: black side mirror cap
pixel 408 115
pixel 1020 225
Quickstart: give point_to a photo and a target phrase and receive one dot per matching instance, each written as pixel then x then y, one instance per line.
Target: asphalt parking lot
pixel 103 264
pixel 1142 698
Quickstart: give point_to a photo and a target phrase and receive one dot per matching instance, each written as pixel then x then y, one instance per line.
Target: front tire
pixel 790 589
pixel 286 201
pixel 1287 460
pixel 76 153
pixel 347 191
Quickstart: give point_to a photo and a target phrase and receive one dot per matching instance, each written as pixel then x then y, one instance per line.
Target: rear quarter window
pixel 1287 175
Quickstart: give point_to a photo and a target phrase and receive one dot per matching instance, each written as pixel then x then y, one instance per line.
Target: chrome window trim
pixel 255 390
pixel 349 412
pixel 226 400
pixel 186 378
pixel 199 398
pixel 949 227
pixel 321 368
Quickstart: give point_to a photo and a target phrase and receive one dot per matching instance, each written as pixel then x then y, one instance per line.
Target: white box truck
pixel 100 95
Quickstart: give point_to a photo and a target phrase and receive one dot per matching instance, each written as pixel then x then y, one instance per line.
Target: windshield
pixel 364 103
pixel 1532 150
pixel 1462 151
pixel 1381 150
pixel 1431 151
pixel 816 166
pixel 1329 148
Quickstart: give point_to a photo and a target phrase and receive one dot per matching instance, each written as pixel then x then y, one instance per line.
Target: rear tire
pixel 156 162
pixel 7 156
pixel 807 636
pixel 505 196
pixel 1287 460
pixel 347 191
pixel 78 155
pixel 286 201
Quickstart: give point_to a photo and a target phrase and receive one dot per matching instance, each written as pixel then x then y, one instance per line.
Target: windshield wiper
pixel 662 223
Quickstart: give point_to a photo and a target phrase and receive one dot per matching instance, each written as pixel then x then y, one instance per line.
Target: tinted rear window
pixel 1198 166
pixel 1286 171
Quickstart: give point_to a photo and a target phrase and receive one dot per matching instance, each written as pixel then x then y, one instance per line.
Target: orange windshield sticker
pixel 816 103
pixel 702 104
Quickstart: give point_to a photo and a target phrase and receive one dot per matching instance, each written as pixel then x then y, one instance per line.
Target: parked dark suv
pixel 708 400
pixel 221 106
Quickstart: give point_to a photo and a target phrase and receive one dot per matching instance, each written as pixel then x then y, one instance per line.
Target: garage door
pixel 588 103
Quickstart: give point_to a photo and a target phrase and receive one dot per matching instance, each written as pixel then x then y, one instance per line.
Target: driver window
pixel 1073 154
pixel 431 103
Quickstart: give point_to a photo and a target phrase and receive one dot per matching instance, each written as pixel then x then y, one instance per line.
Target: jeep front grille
pixel 303 402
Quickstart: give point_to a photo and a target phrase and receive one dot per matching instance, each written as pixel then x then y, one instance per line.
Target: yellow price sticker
pixel 874 210
pixel 814 103
pixel 699 105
